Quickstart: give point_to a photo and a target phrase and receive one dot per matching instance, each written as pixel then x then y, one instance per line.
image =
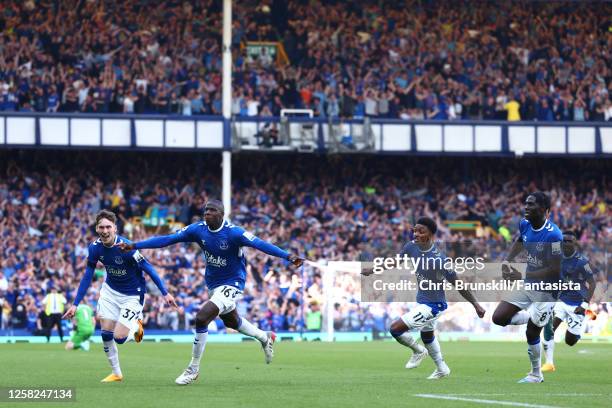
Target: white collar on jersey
pixel 116 239
pixel 426 250
pixel 218 229
pixel 541 228
pixel 571 256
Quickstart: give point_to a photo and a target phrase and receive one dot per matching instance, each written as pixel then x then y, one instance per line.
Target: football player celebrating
pixel 122 294
pixel 541 238
pixel 430 302
pixel 573 304
pixel 222 246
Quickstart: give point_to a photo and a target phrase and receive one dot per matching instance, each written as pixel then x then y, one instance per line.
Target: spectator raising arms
pixel 431 60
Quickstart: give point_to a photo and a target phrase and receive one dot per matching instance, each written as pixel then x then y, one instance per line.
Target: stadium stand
pixel 545 61
pixel 330 207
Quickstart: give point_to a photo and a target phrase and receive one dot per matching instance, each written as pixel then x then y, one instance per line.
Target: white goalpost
pixel 336 277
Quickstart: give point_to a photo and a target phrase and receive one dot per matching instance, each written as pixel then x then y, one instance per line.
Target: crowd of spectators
pixel 324 208
pixel 408 59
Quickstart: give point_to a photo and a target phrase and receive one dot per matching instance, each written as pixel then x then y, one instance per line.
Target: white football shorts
pixel 575 322
pixel 112 305
pixel 421 317
pixel 225 298
pixel 539 304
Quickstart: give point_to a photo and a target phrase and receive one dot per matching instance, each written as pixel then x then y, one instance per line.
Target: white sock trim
pixel 199 345
pixel 534 351
pixel 405 339
pixel 435 352
pixel 112 353
pixel 251 330
pixel 549 350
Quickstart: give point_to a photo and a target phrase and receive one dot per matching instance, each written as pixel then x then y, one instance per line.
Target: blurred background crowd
pixel 410 59
pixel 326 208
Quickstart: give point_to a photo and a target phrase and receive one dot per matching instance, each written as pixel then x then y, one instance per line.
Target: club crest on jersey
pixel 539 247
pixel 534 261
pixel 118 260
pixel 102 258
pixel 223 244
pixel 204 242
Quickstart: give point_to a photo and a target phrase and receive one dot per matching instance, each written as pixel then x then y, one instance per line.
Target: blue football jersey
pixel 124 270
pixel 575 269
pixel 430 269
pixel 222 250
pixel 543 247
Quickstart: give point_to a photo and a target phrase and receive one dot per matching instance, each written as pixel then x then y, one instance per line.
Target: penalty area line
pixel 483 401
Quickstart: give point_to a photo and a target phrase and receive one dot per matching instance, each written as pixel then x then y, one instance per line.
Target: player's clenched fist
pixel 509 272
pixel 480 311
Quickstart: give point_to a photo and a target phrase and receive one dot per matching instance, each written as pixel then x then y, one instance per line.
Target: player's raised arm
pixel 184 235
pixel 149 270
pixel 92 260
pixel 246 238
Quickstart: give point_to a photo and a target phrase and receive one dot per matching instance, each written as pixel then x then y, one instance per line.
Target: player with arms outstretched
pixel 122 293
pixel 541 239
pixel 573 304
pixel 430 303
pixel 84 326
pixel 222 246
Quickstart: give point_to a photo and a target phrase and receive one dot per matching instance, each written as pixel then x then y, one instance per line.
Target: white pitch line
pixel 573 394
pixel 484 401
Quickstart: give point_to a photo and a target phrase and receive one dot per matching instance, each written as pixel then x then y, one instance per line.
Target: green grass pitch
pixel 311 375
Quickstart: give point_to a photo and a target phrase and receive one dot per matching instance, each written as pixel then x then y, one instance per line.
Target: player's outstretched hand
pixel 124 246
pixel 296 260
pixel 480 311
pixel 170 301
pixel 70 312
